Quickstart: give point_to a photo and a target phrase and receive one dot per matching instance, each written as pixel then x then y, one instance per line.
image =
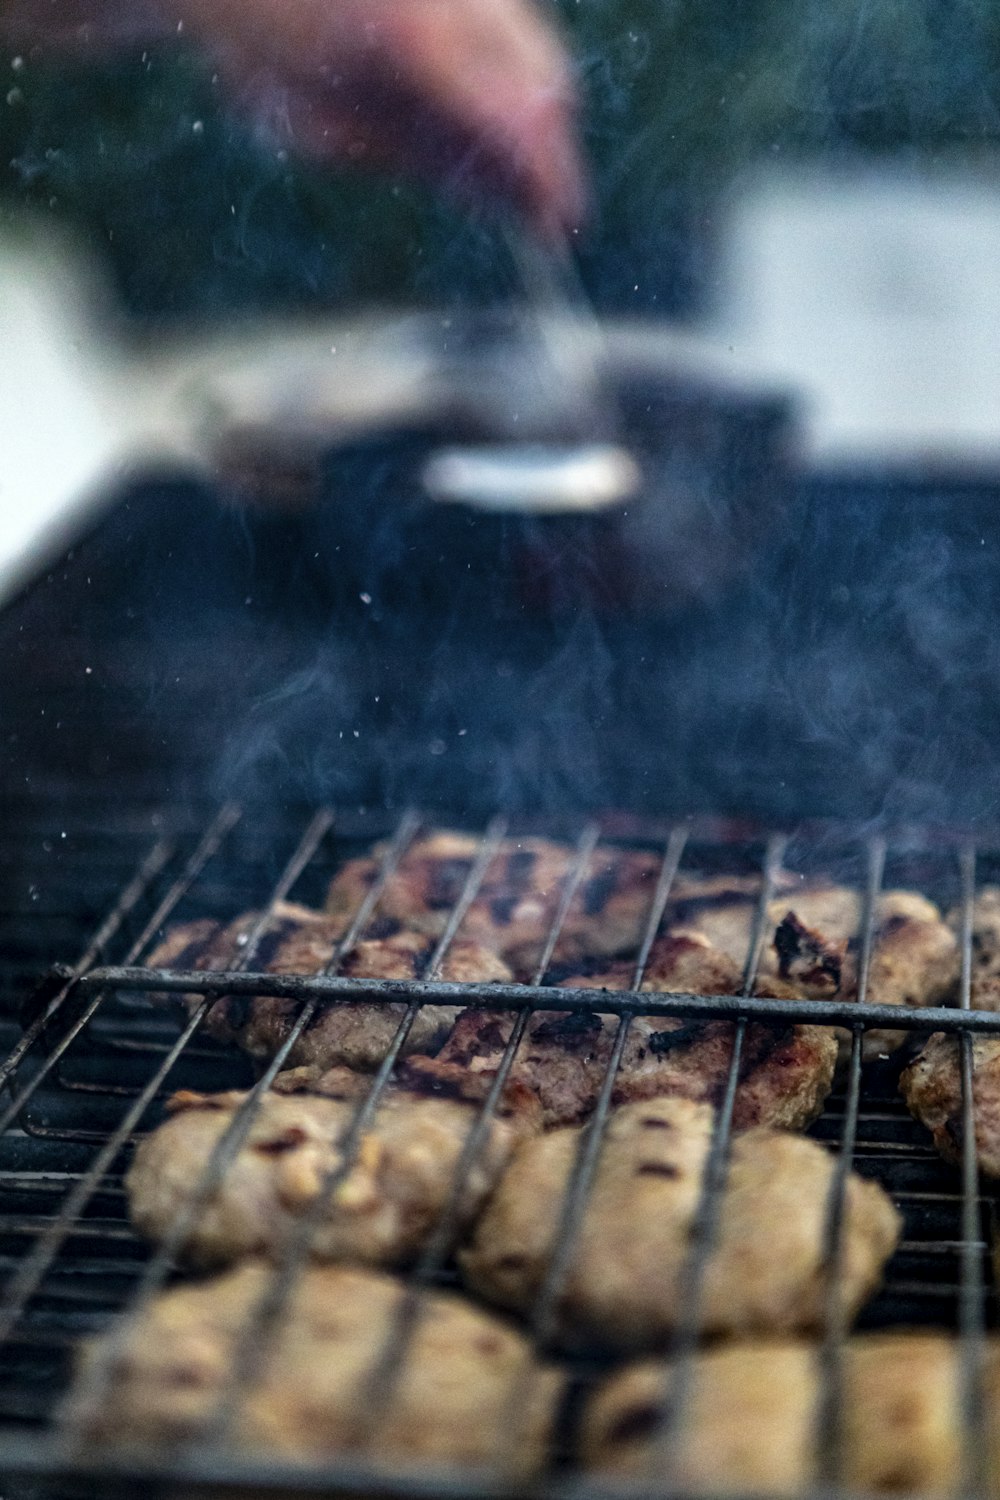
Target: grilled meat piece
pixel 932 1088
pixel 381 1212
pixel 625 1279
pixel 451 1402
pixel 914 961
pixel 562 1058
pixel 301 941
pixel 750 1420
pixel 516 904
pixel 786 1072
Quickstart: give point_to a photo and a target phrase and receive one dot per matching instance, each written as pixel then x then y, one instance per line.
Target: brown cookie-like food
pixel 622 1291
pixel 381 1213
pixel 451 1402
pixel 750 1424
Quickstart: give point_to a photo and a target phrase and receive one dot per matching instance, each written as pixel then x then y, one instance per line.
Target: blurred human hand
pixel 475 95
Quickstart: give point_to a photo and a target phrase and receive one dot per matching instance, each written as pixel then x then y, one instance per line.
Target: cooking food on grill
pixel 915 957
pixel 384 1208
pixel 985 990
pixel 746 1427
pixel 625 1279
pixel 932 1088
pixel 517 901
pixel 451 1401
pixel 750 1421
pixel 785 1073
pixel 301 941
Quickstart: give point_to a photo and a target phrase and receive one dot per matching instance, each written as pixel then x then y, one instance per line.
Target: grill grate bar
pixel 148 871
pixel 491 996
pixel 33 1268
pixel 214 836
pixel 684 1343
pixel 388 1365
pixel 544 1317
pixel 831 1354
pixel 99 1373
pixel 971 1309
pixel 293 1257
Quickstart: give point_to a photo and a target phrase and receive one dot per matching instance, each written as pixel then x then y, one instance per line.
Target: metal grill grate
pixel 88 1071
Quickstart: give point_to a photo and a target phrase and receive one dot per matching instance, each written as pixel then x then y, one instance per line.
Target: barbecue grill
pixel 94 1051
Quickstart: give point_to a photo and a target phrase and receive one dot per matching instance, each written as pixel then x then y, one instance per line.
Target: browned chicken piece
pixel 301 941
pixel 750 1420
pixel 625 1282
pixel 518 899
pixel 786 1072
pixel 385 1207
pixel 811 963
pixel 915 957
pixel 451 1401
pixel 932 1088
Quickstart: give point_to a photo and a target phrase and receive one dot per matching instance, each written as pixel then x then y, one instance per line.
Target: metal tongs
pixel 557 447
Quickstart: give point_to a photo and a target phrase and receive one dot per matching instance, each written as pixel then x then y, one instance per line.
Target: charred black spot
pixel 662 1042
pixel 237 1010
pixel 794 942
pixel 634 1424
pixel 446 879
pixel 266 951
pixel 288 1140
pixel 599 890
pixel 193 954
pixel 563 1028
pixel 652 1122
pixel 583 968
pixel 381 928
pixel 517 875
pixel 760 1046
pixel 658 1169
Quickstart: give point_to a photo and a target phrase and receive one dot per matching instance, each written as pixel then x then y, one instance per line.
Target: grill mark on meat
pixel 289 1139
pixel 657 1169
pixel 382 927
pixel 237 1010
pixel 192 956
pixel 662 1042
pixel 686 908
pixel 445 881
pixel 269 945
pixel 585 968
pixel 517 876
pixel 762 1043
pixel 598 891
pixel 652 1122
pixel 567 1028
pixel 636 1424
